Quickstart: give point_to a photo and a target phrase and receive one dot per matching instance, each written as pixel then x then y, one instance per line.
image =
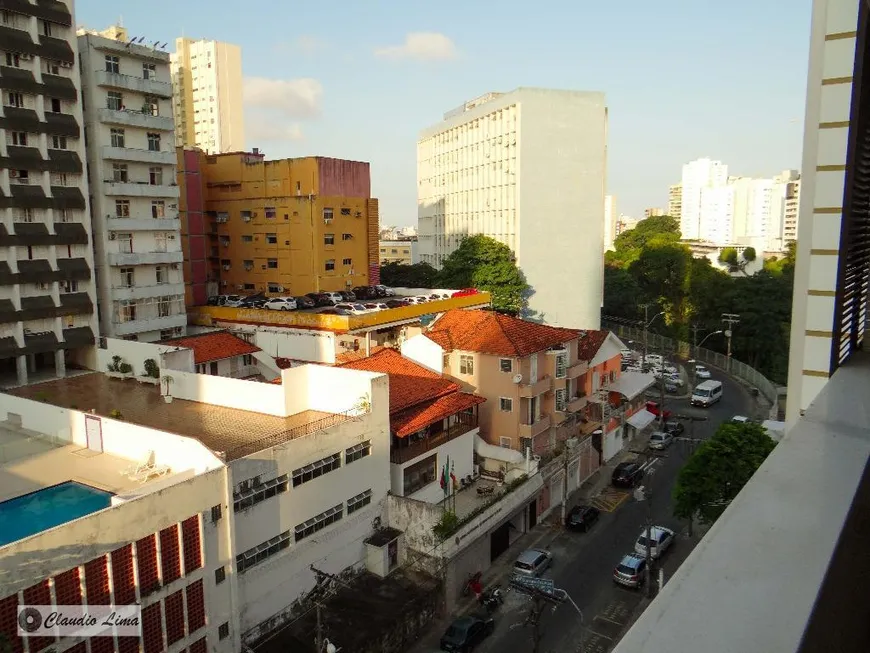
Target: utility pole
pixel 645 493
pixel 645 308
pixel 318 639
pixel 730 319
pixel 694 355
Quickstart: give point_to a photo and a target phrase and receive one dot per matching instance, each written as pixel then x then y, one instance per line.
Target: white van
pixel 707 393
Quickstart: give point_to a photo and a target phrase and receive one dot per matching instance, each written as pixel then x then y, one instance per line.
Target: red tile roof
pixel 213 346
pixel 410 383
pixel 350 356
pixel 419 417
pixel 590 343
pixel 487 332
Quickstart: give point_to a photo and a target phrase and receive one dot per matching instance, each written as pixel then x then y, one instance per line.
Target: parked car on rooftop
pixel 281 304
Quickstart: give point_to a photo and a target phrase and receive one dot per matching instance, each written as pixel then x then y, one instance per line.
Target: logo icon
pixel 29 619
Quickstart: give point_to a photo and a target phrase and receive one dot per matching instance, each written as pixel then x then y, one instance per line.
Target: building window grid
pixel 316 469
pixel 466 364
pixel 561 366
pixel 259 492
pixel 359 501
pixel 256 555
pixel 319 522
pixel 561 399
pixel 354 453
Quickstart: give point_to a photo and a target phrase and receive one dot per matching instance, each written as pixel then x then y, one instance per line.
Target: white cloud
pixel 270 131
pixel 297 99
pixel 423 46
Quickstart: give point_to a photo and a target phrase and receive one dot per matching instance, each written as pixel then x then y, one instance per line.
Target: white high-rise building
pixel 716 215
pixel 47 293
pixel 527 168
pixel 610 219
pixel 784 202
pixel 207 82
pixel 134 194
pixel 697 176
pixel 751 216
pixel 675 201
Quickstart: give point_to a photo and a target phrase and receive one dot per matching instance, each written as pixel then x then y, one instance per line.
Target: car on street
pixel 660 541
pixel 660 440
pixel 281 304
pixel 631 570
pixel 347 295
pixel 466 633
pixel 254 301
pixel 581 518
pixel 384 291
pixel 702 372
pixel 653 407
pixel 627 474
pixel 396 303
pixel 740 419
pixel 675 428
pixel 532 562
pixel 376 306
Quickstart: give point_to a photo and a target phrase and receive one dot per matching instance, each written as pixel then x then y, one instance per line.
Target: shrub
pixel 446 526
pixel 116 414
pixel 125 368
pixel 151 368
pixel 115 365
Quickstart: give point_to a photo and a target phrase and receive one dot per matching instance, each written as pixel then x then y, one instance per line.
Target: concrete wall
pixel 424 351
pixel 297 344
pixel 231 393
pixel 136 353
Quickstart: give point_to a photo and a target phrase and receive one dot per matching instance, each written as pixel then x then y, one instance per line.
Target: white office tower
pixel 784 203
pixel 716 217
pixel 751 218
pixel 698 175
pixel 610 220
pixel 528 169
pixel 134 195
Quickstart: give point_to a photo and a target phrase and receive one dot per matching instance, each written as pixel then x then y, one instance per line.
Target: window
pixel 153 142
pixel 164 307
pixel 117 136
pixel 125 243
pixel 271 213
pixel 525 444
pixel 19 138
pixel 345 211
pixel 561 396
pixel 316 469
pixel 52 68
pixel 21 176
pixel 561 366
pixel 256 555
pixel 113 64
pixel 15 100
pixel 59 179
pixel 215 510
pixel 46 27
pixel 419 475
pixel 274 287
pixel 155 176
pixel 246 216
pixel 220 575
pixel 328 213
pixel 71 285
pixel 63 215
pixel 149 71
pixel 272 239
pixel 127 277
pixel 612 376
pixel 247 239
pixel 122 208
pixel 298 187
pixel 329 265
pixel 346 261
pixel 56 105
pixel 151 106
pixel 272 263
pixel 361 500
pixel 13 60
pixel 158 209
pixel 466 364
pixel 506 404
pixel 506 365
pixel 250 493
pixel 23 215
pixel 329 239
pixel 119 172
pixel 247 360
pixel 347 236
pixel 504 442
pixel 319 522
pixel 127 311
pixel 357 451
pixel 224 630
pixel 58 142
pixel 160 274
pixel 114 100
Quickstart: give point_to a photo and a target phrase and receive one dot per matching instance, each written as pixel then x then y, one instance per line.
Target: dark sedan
pixel 320 299
pixel 304 301
pixel 466 633
pixel 581 518
pixel 675 428
pixel 627 475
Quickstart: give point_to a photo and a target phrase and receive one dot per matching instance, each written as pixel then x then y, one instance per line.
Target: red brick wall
pixel 192 546
pixel 67 588
pixel 198 646
pixel 9 622
pixel 123 582
pixel 339 177
pixel 195 606
pixel 170 556
pixel 174 606
pixel 38 595
pixel 97 581
pixel 152 628
pixel 146 564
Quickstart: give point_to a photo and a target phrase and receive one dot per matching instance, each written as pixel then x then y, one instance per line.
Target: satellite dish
pixel 518 378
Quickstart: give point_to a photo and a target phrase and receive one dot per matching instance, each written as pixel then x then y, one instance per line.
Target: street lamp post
pixel 646 324
pixel 696 346
pixel 730 319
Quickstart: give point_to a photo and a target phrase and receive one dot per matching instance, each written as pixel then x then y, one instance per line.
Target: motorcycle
pixel 492 598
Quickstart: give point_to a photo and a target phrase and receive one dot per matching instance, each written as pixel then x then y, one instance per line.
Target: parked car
pixel 347 295
pixel 653 407
pixel 675 428
pixel 335 297
pixel 631 570
pixel 364 292
pixel 740 419
pixel 253 301
pixel 352 309
pixel 212 301
pixel 388 292
pixel 281 304
pixel 439 295
pixel 305 301
pixel 627 474
pixel 320 299
pixel 466 633
pixel 532 562
pixel 397 303
pixel 229 300
pixel 465 292
pixel 376 306
pixel 581 518
pixel 660 541
pixel 422 299
pixel 335 311
pixel 660 440
pixel 702 372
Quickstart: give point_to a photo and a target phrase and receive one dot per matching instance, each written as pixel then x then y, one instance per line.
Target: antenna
pixel 140 40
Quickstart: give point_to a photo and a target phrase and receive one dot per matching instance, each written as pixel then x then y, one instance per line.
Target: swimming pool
pixel 52 506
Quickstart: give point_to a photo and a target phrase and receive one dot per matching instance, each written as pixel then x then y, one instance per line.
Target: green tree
pixel 661 272
pixel 728 256
pixel 622 294
pixel 718 470
pixel 659 229
pixel 419 275
pixel 485 263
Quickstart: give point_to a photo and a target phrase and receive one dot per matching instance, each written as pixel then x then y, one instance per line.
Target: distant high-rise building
pixel 675 201
pixel 751 215
pixel 716 215
pixel 784 203
pixel 207 101
pixel 653 212
pixel 527 168
pixel 610 218
pixel 699 175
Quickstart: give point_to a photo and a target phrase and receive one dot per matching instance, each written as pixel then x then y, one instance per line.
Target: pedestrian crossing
pixel 610 499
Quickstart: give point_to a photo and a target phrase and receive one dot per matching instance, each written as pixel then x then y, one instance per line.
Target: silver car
pixel 660 440
pixel 533 562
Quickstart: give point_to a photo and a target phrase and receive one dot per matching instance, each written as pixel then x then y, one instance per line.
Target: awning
pixel 631 384
pixel 491 451
pixel 641 419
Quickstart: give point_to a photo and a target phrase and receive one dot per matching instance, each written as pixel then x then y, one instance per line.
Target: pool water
pixel 52 506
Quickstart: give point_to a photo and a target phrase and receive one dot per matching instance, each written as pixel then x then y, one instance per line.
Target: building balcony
pixel 536 428
pixel 578 369
pixel 149 324
pixel 139 156
pixel 118 259
pixel 143 224
pixel 403 451
pixel 145 292
pixel 534 389
pixel 578 402
pixel 139 189
pixel 133 83
pixel 130 118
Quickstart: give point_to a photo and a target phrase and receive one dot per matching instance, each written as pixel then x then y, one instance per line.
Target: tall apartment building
pixel 784 204
pixel 751 216
pixel 675 201
pixel 289 226
pixel 47 292
pixel 527 168
pixel 207 81
pixel 716 215
pixel 199 284
pixel 832 277
pixel 610 219
pixel 134 194
pixel 697 176
pixel 653 212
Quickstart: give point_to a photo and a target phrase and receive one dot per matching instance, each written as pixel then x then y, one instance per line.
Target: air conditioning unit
pixel 173 206
pixel 112 235
pixel 280 288
pixel 254 214
pixel 240 286
pixel 226 267
pixel 327 220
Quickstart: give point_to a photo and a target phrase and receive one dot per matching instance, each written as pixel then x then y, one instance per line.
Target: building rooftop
pixel 229 431
pixel 214 346
pixel 589 343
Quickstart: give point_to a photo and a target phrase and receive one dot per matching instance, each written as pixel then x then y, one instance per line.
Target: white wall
pixel 297 344
pixel 460 453
pixel 337 389
pixel 136 353
pixel 424 351
pixel 231 393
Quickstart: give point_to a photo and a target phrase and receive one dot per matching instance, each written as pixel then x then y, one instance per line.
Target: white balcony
pixel 146 292
pixel 150 324
pixel 139 156
pixel 139 189
pixel 133 83
pixel 118 259
pixel 130 118
pixel 143 224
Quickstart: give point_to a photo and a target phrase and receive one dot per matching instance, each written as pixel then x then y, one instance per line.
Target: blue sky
pixel 683 78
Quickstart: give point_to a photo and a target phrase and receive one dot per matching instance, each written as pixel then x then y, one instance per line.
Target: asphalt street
pixel 583 562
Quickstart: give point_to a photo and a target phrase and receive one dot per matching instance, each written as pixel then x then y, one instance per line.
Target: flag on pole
pixel 443 481
pixel 455 483
pixel 445 477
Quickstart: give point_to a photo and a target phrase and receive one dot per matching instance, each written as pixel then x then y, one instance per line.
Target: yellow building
pixel 397 251
pixel 291 226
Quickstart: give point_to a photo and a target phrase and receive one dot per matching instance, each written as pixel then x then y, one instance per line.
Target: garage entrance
pixel 499 541
pixel 533 513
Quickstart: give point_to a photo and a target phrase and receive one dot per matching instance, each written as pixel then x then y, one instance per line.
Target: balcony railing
pixel 536 428
pixel 403 451
pixel 578 369
pixel 538 387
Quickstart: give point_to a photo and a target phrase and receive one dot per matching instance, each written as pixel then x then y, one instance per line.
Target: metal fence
pixel 657 342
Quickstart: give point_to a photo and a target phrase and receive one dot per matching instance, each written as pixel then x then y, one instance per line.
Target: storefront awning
pixel 641 419
pixel 491 451
pixel 631 384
